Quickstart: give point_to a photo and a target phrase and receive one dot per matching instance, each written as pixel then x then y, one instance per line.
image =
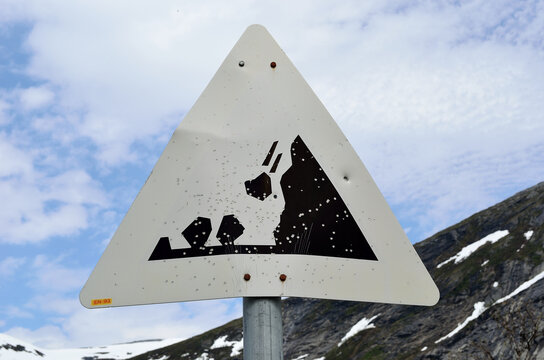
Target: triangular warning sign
pixel 258 193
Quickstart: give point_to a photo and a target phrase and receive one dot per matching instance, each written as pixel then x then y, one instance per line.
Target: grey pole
pixel 263 333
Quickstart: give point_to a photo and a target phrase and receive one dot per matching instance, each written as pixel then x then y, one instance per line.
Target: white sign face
pixel 258 193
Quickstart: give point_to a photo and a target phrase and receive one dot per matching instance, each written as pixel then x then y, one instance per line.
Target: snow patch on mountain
pixel 15 349
pixel 12 348
pixel 221 341
pixel 204 356
pixel 363 324
pixel 521 288
pixel 479 309
pixel 470 249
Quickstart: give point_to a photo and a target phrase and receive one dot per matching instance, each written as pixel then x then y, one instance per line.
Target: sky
pixel 442 100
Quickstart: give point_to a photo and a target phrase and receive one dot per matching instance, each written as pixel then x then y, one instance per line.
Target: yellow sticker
pixel 98 302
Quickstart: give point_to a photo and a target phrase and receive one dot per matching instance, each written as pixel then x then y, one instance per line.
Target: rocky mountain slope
pixel 488 269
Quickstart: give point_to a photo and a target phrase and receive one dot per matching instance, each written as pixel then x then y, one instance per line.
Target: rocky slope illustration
pixel 310 198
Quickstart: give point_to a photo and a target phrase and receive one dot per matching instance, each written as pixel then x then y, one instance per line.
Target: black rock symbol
pixel 229 230
pixel 198 232
pixel 261 187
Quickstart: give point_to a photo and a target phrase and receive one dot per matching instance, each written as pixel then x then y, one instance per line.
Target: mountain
pixel 488 268
pixel 15 349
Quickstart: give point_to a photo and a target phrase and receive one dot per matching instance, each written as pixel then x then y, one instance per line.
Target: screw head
pixel 273 64
pixel 283 277
pixel 247 277
pixel 241 63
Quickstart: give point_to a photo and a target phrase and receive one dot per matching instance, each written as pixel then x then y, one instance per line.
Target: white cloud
pixel 34 98
pixel 36 214
pixel 52 276
pixel 58 128
pixel 14 161
pixel 13 10
pixel 131 77
pixel 10 265
pixel 75 187
pixel 435 114
pixel 439 99
pixel 115 325
pixel 4 116
pixel 49 334
pixel 53 302
pixel 42 205
pixel 16 312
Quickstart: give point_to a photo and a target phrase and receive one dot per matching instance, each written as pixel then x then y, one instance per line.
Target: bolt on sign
pixel 258 193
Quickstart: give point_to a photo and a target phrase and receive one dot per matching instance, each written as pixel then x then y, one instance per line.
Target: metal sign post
pixel 263 332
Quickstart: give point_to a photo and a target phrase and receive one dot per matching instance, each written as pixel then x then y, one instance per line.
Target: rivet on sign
pixel 273 64
pixel 247 277
pixel 241 63
pixel 346 178
pixel 283 277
